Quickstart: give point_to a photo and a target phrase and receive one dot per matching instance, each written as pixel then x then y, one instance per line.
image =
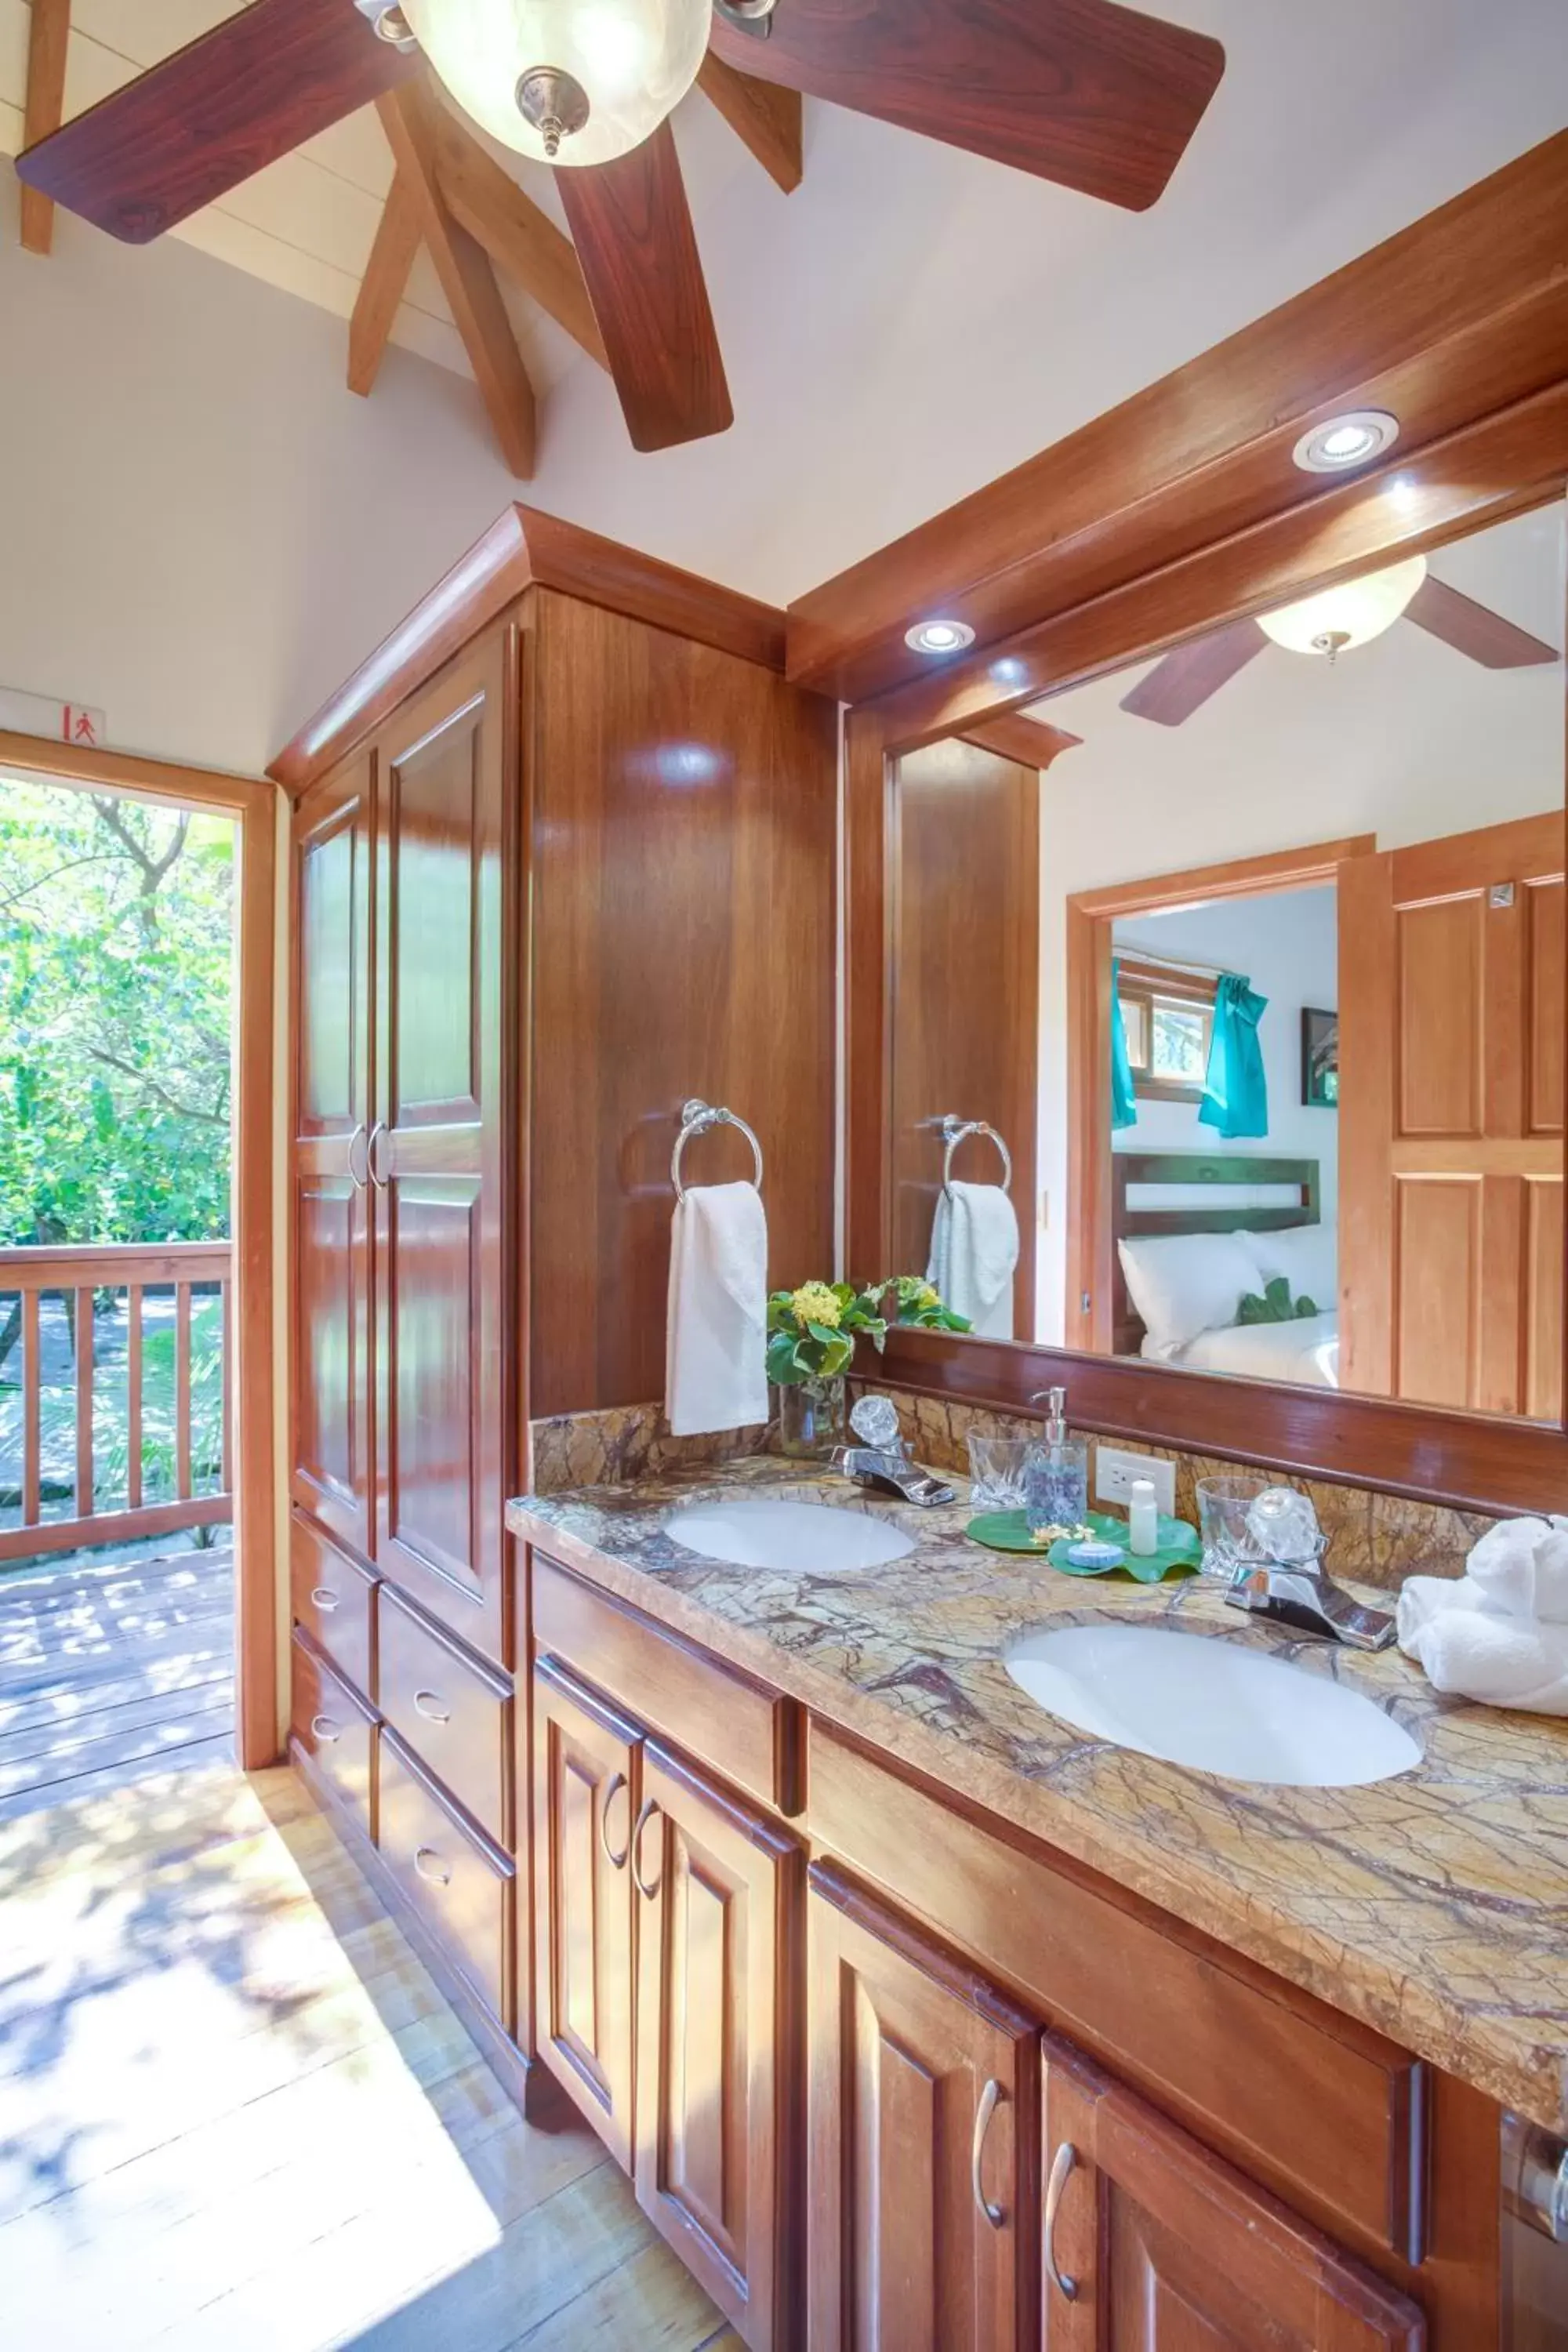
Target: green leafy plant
pixel 1275 1306
pixel 812 1331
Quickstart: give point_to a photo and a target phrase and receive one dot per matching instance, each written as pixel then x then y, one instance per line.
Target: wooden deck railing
pixel 162 1472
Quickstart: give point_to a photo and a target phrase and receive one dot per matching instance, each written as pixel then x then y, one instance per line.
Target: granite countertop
pixel 1434 1906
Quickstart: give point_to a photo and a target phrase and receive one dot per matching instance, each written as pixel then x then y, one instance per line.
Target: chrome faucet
pixel 882 1464
pixel 1300 1594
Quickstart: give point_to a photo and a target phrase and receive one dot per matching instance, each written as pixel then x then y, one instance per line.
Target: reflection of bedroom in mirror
pixel 1227 1024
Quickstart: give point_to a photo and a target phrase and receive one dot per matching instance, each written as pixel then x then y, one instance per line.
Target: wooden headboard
pixel 1222 1171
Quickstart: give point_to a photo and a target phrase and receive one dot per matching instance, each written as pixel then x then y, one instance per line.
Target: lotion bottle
pixel 1142 1520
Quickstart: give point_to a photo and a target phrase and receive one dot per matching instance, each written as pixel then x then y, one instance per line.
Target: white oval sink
pixel 1213 1704
pixel 811 1537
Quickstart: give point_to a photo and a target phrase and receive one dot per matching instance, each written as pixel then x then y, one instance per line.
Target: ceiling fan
pixel 1093 95
pixel 1329 624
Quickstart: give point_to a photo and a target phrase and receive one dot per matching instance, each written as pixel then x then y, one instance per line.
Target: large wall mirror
pixel 1225 1019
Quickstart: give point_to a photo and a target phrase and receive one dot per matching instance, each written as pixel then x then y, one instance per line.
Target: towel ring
pixel 954 1132
pixel 695 1118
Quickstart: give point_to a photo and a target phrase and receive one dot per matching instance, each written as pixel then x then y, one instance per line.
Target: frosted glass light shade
pixel 635 58
pixel 1351 615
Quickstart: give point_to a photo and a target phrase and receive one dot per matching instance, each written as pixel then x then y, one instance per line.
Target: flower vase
pixel 811 1418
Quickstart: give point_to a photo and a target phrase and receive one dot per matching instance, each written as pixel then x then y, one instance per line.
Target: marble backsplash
pixel 1379 1538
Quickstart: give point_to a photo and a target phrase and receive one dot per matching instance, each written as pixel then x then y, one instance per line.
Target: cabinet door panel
pixel 586 1788
pixel 443 1415
pixel 333 1433
pixel 922 2100
pixel 1168 2249
pixel 718 1916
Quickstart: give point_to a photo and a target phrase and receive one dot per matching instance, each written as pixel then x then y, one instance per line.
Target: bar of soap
pixel 1094 1554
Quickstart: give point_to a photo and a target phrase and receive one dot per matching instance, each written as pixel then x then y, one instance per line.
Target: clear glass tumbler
pixel 998 1471
pixel 1223 1507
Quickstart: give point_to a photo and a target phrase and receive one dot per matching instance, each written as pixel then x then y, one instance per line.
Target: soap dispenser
pixel 1055 1484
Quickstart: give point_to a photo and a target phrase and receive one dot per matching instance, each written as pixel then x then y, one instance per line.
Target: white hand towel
pixel 1522 1566
pixel 1466 1647
pixel 974 1253
pixel 716 1346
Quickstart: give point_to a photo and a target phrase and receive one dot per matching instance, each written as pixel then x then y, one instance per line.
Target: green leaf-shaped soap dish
pixel 1178 1545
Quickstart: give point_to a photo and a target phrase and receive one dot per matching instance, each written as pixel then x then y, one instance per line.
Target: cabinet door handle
pixel 324 1599
pixel 358 1137
pixel 615 1861
pixel 429 1704
pixel 990 2098
pixel 1062 2164
pixel 650 1808
pixel 323 1727
pixel 376 1134
pixel 429 1864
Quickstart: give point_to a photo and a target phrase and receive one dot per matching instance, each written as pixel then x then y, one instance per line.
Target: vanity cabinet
pixel 923 2135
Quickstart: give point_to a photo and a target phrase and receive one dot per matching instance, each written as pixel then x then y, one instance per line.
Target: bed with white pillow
pixel 1179 1292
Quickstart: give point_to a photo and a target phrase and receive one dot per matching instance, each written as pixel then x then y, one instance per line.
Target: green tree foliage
pixel 115 960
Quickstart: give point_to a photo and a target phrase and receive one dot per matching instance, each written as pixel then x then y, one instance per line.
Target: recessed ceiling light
pixel 1347 440
pixel 940 637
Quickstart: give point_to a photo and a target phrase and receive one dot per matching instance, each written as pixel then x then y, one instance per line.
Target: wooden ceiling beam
pixel 519 239
pixel 385 283
pixel 48 41
pixel 761 115
pixel 1030 743
pixel 407 117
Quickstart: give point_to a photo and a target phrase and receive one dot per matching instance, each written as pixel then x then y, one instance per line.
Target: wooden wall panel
pixel 965 970
pixel 683 816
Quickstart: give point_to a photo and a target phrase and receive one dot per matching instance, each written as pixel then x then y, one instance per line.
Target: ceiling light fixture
pixel 566 81
pixel 940 637
pixel 1349 440
pixel 1337 619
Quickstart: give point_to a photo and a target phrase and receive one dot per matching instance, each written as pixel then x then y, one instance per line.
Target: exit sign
pixel 62 723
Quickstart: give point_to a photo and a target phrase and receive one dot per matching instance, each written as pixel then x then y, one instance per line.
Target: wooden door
pixel 922 2141
pixel 436 1150
pixel 1451 1024
pixel 1152 2244
pixel 719 1890
pixel 588 1766
pixel 333 1434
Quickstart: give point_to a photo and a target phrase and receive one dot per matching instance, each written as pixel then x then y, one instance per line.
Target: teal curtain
pixel 1123 1103
pixel 1235 1094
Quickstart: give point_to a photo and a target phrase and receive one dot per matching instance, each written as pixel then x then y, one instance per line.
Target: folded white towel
pixel 1521 1565
pixel 716 1344
pixel 1465 1646
pixel 974 1253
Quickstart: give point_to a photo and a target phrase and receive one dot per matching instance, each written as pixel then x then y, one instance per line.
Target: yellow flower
pixel 813 1302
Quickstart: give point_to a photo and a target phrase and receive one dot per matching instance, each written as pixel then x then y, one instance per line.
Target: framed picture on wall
pixel 1319 1058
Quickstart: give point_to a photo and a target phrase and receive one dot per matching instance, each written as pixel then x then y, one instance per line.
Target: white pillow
pixel 1309 1258
pixel 1183 1283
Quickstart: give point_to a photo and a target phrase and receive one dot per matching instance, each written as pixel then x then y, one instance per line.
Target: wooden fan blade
pixel 1184 680
pixel 1100 98
pixel 189 130
pixel 632 227
pixel 1474 629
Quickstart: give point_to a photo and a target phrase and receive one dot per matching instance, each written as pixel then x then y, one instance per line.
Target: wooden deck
pixel 234 2111
pixel 112 1668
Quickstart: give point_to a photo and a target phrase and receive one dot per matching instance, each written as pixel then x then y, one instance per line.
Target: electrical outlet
pixel 1114 1473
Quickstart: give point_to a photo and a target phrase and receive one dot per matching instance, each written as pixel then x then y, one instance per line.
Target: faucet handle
pixel 875 1419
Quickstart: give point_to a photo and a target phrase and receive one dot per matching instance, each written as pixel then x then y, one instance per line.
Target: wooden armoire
pixel 563 856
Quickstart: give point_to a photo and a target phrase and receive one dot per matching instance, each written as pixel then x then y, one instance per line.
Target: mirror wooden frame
pixel 1476 475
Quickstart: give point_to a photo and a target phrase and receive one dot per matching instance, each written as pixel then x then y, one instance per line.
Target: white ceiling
pixel 913 320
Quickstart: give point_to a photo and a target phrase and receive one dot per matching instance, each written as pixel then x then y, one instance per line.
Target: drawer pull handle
pixel 429 1864
pixel 990 2098
pixel 650 1808
pixel 324 1599
pixel 431 1705
pixel 323 1727
pixel 1062 2164
pixel 615 1861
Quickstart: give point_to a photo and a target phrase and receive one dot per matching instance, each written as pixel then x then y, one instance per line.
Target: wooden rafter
pixel 48 41
pixel 468 280
pixel 385 279
pixel 522 241
pixel 765 116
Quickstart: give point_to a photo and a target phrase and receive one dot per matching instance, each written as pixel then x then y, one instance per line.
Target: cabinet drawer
pixel 333 1728
pixel 1305 2099
pixel 456 1716
pixel 334 1601
pixel 749 1734
pixel 456 1883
